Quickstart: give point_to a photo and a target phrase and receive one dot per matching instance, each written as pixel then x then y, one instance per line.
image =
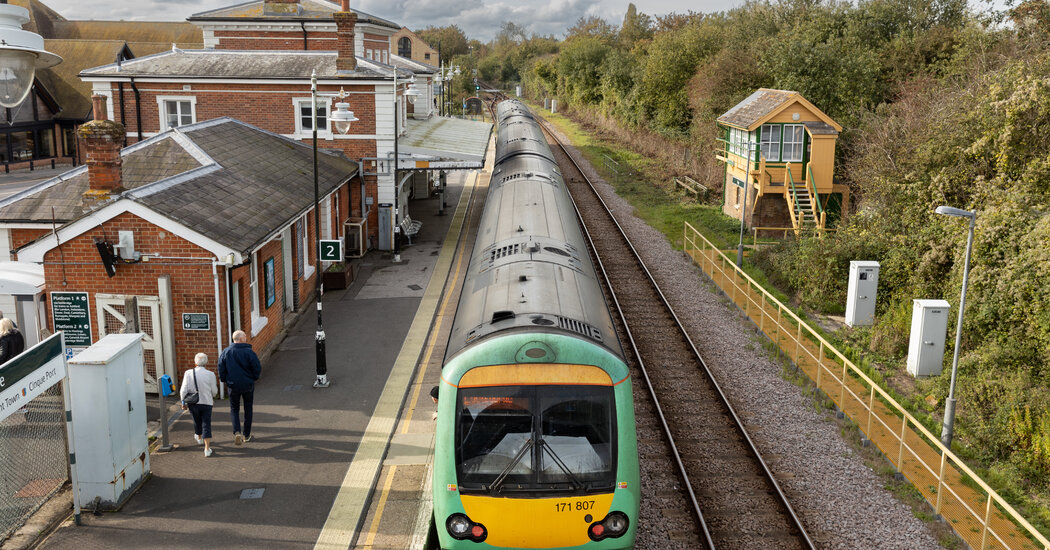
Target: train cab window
pixel 535 438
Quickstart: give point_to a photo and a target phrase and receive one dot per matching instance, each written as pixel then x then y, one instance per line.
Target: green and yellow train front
pixel 538 448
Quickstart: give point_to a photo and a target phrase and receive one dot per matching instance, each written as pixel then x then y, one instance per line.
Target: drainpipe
pixel 361 178
pixel 124 121
pixel 302 25
pixel 138 110
pixel 218 319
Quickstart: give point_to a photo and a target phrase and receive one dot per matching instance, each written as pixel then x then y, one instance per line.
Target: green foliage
pixel 450 40
pixel 578 65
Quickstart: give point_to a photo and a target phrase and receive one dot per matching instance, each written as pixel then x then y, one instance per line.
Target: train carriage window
pixel 541 436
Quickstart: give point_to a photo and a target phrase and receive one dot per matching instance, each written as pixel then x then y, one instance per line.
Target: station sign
pixel 30 374
pixel 331 250
pixel 196 321
pixel 72 315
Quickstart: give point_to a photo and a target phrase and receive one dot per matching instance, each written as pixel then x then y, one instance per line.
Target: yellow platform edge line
pixel 347 509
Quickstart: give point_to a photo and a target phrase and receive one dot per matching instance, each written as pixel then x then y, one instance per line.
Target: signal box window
pixel 404 47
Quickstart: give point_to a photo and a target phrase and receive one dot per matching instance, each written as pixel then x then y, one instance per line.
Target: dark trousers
pixel 201 420
pixel 235 409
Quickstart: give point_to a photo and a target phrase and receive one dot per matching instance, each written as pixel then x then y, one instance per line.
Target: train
pixel 535 438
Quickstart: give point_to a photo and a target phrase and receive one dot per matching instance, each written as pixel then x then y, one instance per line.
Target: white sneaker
pixel 200 441
pixel 238 439
pixel 207 452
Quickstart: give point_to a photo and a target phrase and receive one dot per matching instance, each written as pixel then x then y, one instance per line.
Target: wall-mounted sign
pixel 196 321
pixel 71 313
pixel 331 250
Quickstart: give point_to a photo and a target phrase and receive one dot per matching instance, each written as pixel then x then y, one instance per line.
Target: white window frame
pixel 235 322
pixel 302 132
pixel 258 321
pixel 308 269
pixel 795 145
pixel 368 54
pixel 163 100
pixel 386 57
pixel 770 146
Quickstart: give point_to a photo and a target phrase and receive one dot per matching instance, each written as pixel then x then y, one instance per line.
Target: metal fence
pixel 979 516
pixel 33 459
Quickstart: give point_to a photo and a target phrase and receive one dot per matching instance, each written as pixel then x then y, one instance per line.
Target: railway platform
pixel 342 467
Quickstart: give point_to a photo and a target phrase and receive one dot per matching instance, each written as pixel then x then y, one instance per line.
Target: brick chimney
pixel 345 20
pixel 281 7
pixel 102 141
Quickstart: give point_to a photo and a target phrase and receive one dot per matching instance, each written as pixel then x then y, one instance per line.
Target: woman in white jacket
pixel 203 382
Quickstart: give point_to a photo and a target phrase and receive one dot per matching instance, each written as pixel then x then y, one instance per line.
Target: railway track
pixel 734 500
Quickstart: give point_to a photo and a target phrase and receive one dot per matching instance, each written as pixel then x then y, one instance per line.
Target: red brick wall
pixel 76 267
pixel 22 237
pixel 268 106
pixel 274 40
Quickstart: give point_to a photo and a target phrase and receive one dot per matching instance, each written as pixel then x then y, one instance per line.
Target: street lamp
pixel 949 404
pixel 21 54
pixel 342 118
pixel 743 213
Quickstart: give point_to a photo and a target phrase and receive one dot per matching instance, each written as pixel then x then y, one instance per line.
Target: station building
pixel 408 45
pixel 789 178
pixel 206 217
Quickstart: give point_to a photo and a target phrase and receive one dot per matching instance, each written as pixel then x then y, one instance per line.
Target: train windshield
pixel 536 438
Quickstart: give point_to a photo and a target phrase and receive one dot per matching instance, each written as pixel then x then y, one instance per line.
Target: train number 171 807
pixel 570 506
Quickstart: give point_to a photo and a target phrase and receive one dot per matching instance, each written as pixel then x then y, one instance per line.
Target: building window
pixel 300 256
pixel 386 57
pixel 176 111
pixel 426 56
pixel 793 137
pixel 304 246
pixel 236 320
pixel 368 54
pixel 304 124
pixel 771 142
pixel 258 321
pixel 404 47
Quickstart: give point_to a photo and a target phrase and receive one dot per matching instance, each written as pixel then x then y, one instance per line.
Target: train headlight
pixel 462 528
pixel 614 525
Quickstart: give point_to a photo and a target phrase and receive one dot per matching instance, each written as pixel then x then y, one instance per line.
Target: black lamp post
pixel 341 119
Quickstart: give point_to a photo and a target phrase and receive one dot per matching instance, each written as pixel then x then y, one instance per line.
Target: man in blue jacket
pixel 239 368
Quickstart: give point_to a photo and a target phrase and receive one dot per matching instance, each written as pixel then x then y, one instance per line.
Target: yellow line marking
pixel 436 331
pixel 374 528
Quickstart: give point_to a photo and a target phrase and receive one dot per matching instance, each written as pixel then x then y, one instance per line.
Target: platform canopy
pixel 21 278
pixel 440 143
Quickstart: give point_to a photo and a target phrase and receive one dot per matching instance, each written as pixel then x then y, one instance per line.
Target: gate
pixel 112 318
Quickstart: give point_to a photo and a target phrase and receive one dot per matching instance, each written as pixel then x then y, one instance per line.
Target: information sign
pixel 30 374
pixel 196 321
pixel 331 251
pixel 71 314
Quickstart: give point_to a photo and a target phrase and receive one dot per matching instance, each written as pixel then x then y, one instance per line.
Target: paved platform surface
pixel 315 453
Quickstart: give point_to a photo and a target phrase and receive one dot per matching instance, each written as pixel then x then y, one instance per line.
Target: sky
pixel 480 19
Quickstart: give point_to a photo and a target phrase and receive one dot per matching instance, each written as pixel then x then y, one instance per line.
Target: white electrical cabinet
pixel 108 398
pixel 929 327
pixel 860 293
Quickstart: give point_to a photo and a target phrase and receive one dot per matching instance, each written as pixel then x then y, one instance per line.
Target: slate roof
pixel 288 64
pixel 308 10
pixel 756 106
pixel 232 182
pixel 817 128
pixel 417 67
pixel 73 94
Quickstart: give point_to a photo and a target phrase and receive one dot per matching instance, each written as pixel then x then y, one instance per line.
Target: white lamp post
pixel 949 404
pixel 21 54
pixel 342 118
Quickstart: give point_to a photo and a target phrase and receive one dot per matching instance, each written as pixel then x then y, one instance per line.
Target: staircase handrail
pixel 816 196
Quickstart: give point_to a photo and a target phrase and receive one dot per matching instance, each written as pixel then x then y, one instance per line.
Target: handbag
pixel 193 397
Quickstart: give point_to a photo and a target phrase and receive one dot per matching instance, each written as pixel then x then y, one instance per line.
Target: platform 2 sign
pixel 70 310
pixel 331 250
pixel 196 321
pixel 30 374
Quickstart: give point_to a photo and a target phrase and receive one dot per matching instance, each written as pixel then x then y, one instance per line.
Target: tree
pixel 510 33
pixel 450 40
pixel 592 27
pixel 636 26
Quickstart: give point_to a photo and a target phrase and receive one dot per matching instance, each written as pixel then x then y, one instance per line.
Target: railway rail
pixel 735 500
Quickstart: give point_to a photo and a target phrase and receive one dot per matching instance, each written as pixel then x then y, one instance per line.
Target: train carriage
pixel 536 444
